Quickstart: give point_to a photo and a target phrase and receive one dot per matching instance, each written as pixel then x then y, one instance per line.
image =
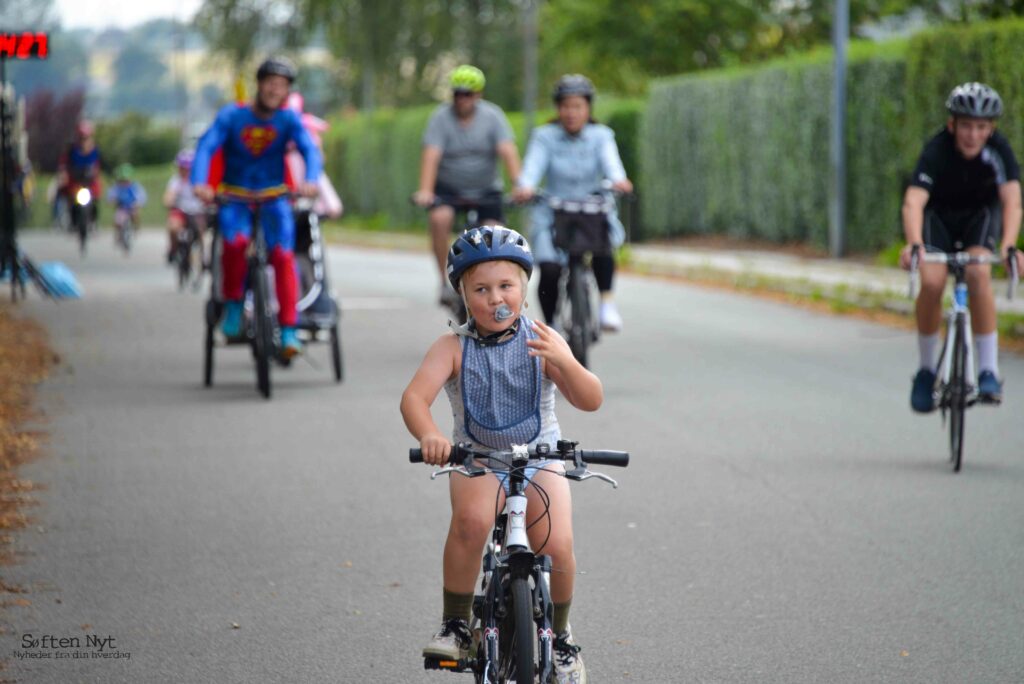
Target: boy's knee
pixel 471 528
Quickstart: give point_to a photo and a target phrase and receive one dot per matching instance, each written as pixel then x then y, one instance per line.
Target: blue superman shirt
pixel 254 150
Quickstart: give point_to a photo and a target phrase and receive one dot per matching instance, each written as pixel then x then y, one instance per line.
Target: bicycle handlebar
pixel 918 255
pixel 567 451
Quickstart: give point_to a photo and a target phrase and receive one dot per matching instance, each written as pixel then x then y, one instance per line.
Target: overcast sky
pixel 121 13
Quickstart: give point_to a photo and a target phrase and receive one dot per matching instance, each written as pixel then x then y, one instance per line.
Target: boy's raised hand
pixel 550 346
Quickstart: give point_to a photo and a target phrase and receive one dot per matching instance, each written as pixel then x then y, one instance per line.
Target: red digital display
pixel 27 45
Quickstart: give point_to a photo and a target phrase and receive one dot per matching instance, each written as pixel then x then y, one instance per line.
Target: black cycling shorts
pixel 488 207
pixel 952 230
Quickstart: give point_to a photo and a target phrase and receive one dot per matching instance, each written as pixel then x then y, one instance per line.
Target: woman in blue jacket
pixel 574 155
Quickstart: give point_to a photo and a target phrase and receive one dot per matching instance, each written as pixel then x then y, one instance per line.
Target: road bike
pixel 513 612
pixel 955 388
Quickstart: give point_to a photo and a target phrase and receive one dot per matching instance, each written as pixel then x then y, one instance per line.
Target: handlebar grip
pixel 415 455
pixel 609 458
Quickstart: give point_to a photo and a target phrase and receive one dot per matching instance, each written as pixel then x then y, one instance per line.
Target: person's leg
pixel 279 227
pixel 473 505
pixel 604 273
pixel 175 223
pixel 554 532
pixel 235 226
pixel 547 291
pixel 551 533
pixel 441 220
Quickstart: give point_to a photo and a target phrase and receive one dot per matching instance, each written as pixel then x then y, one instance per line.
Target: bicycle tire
pixel 83 230
pixel 336 360
pixel 208 357
pixel 263 343
pixel 517 635
pixel 958 395
pixel 579 332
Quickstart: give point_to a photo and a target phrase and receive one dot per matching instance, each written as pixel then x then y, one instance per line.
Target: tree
pixel 140 81
pixel 50 122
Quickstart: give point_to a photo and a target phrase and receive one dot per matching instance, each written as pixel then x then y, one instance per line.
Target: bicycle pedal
pixel 431 663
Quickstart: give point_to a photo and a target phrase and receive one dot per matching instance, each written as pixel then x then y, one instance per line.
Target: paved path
pixel 784 519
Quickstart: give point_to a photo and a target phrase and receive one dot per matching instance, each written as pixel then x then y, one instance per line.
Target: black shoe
pixel 990 390
pixel 922 398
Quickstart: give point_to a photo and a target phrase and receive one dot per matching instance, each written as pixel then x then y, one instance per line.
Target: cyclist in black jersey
pixel 965 195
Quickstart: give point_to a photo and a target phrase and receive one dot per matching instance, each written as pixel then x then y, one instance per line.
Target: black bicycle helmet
pixel 573 84
pixel 276 66
pixel 487 243
pixel 976 100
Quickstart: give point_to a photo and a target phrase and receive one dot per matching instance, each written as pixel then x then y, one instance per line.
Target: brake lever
pixel 578 476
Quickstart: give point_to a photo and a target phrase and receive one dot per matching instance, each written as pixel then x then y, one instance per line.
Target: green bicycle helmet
pixel 124 172
pixel 467 78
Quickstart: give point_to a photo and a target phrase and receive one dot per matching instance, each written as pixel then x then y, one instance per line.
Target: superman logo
pixel 258 138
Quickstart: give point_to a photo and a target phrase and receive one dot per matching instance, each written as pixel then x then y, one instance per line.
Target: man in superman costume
pixel 252 140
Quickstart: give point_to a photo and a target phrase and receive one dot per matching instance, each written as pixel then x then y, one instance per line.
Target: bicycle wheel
pixel 517 636
pixel 958 395
pixel 263 317
pixel 336 362
pixel 83 229
pixel 579 332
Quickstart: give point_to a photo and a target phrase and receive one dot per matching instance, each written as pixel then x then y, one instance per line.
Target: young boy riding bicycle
pixel 500 371
pixel 965 192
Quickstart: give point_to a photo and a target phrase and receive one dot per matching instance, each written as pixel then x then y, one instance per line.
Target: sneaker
pixel 921 398
pixel 569 668
pixel 291 345
pixel 990 390
pixel 610 318
pixel 231 326
pixel 452 642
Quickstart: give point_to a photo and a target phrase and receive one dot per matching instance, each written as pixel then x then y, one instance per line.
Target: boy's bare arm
pixel 437 367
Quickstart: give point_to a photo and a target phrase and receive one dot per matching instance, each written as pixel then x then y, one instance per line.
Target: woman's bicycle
pixel 513 613
pixel 580 230
pixel 955 387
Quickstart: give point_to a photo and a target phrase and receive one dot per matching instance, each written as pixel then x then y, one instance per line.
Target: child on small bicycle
pixel 499 369
pixel 127 196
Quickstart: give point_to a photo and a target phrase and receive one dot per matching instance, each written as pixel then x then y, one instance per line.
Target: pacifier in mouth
pixel 503 313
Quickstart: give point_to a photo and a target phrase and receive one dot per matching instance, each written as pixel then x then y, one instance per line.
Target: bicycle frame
pixel 958 310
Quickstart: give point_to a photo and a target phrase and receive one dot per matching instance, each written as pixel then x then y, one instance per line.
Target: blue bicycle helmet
pixel 487 243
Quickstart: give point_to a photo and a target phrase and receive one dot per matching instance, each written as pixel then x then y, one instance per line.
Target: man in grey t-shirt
pixel 459 165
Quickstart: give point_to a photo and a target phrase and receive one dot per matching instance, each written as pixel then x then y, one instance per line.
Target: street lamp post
pixel 837 213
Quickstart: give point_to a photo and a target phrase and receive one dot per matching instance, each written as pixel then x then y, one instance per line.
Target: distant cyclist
pixel 127 195
pixel 965 192
pixel 254 139
pixel 181 201
pixel 459 165
pixel 80 166
pixel 573 154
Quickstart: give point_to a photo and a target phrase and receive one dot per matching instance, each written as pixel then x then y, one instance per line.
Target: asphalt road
pixel 785 518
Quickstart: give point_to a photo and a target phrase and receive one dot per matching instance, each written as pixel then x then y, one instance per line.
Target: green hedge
pixel 374 159
pixel 745 152
pixel 940 59
pixel 135 138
